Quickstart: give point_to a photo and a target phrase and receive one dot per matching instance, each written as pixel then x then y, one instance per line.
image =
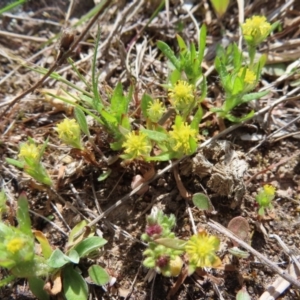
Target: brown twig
pixel 262 258
pixel 58 61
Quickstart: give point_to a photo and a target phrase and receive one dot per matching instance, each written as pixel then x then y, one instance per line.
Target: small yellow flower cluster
pixel 269 190
pixel 15 245
pixel 136 145
pixel 29 151
pixel 181 95
pixel 256 29
pixel 155 110
pixel 181 135
pixel 69 132
pixel 201 250
pixel 250 76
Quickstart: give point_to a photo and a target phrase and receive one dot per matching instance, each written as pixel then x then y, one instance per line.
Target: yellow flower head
pixel 181 95
pixel 69 132
pixel 155 110
pixel 181 135
pixel 269 190
pixel 256 29
pixel 29 151
pixel 250 76
pixel 15 245
pixel 201 250
pixel 136 145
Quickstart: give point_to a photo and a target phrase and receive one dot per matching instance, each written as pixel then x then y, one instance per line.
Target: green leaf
pixel 11 6
pixel 96 98
pixel 237 57
pixel 75 230
pixel 181 43
pixel 74 285
pixel 161 157
pixel 116 145
pixel 23 215
pixel 89 245
pixel 104 175
pixel 81 119
pixel 253 96
pixel 243 294
pixel 5 281
pixel 98 275
pixel 145 102
pixel 238 252
pixel 168 52
pixel 201 201
pixel 58 259
pixel 220 6
pixel 15 163
pixel 36 286
pixel 175 76
pixel 155 135
pixel 46 248
pixel 173 243
pixel 119 104
pixel 197 119
pixel 201 43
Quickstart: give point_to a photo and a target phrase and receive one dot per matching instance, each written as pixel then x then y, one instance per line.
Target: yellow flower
pixel 29 151
pixel 181 136
pixel 15 245
pixel 256 29
pixel 181 95
pixel 155 110
pixel 201 250
pixel 69 132
pixel 269 190
pixel 250 76
pixel 136 145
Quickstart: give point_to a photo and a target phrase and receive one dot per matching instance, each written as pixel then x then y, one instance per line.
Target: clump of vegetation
pixel 51 266
pixel 264 198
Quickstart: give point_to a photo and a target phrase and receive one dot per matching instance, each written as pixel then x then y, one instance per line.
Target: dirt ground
pixel 268 144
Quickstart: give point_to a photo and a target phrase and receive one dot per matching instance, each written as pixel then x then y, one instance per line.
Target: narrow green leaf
pixel 96 93
pixel 15 163
pixel 201 201
pixel 155 135
pixel 161 157
pixel 173 243
pixel 220 6
pixel 202 43
pixel 46 248
pixel 98 275
pixel 74 285
pixel 181 43
pixel 23 215
pixel 81 119
pixel 5 281
pixel 76 229
pixel 175 76
pixel 238 252
pixel 36 286
pixel 11 6
pixel 168 52
pixel 104 175
pixel 145 102
pixel 197 118
pixel 118 102
pixel 253 96
pixel 89 244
